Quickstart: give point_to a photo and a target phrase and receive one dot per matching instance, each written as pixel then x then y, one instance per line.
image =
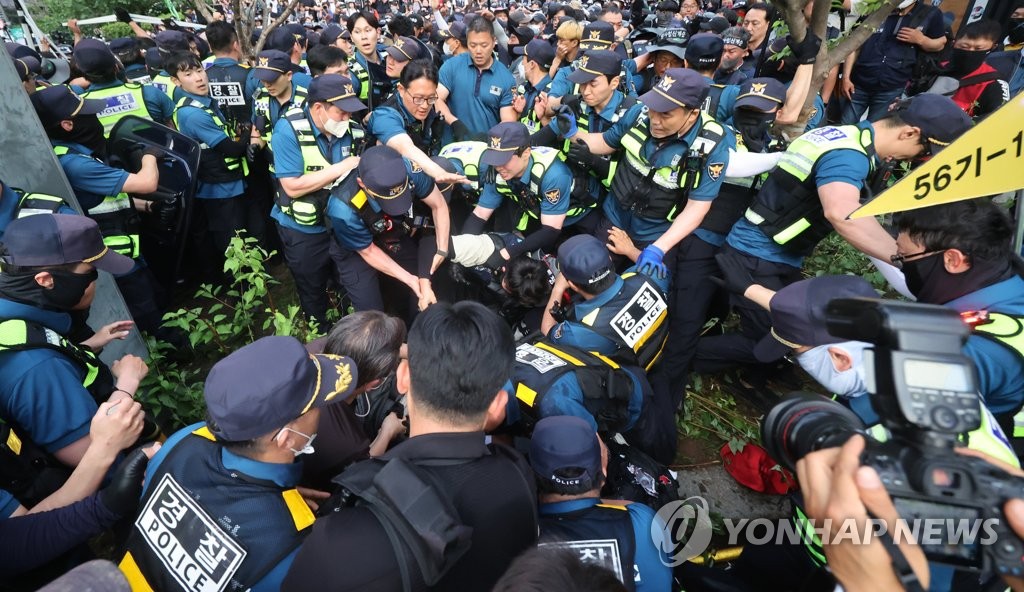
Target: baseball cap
pixel 269 383
pixel 539 51
pixel 505 139
pixel 680 87
pixel 298 32
pixel 280 39
pixel 584 260
pixel 46 240
pixel 154 60
pixel 596 63
pixel 737 36
pixel 940 119
pixel 271 64
pixel 24 72
pixel 761 94
pixel 330 34
pixel 57 103
pixel 123 45
pixel 524 35
pixel 17 50
pixel 538 17
pixel 404 50
pixel 716 24
pixel 169 41
pixel 597 35
pixel 456 31
pixel 798 313
pixel 704 50
pixel 672 41
pixel 336 90
pixel 519 16
pixel 565 450
pixel 92 55
pixel 384 176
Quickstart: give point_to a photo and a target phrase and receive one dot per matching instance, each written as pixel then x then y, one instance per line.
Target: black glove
pixel 735 277
pixel 251 151
pixel 460 130
pixel 458 273
pixel 496 261
pixel 806 51
pixel 580 155
pixel 122 15
pixel 154 152
pixel 122 495
pixel 166 213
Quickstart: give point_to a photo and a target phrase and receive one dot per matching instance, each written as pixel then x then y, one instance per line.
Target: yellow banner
pixel 984 161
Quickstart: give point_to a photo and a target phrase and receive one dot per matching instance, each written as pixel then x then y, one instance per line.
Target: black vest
pixel 227 87
pixel 201 524
pixel 601 534
pixel 426 135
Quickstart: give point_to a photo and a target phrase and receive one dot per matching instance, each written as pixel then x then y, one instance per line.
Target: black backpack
pixel 635 476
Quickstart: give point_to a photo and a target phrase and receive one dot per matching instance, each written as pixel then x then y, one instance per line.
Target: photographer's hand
pixel 837 488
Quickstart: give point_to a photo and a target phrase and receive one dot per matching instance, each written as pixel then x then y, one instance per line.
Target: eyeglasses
pixel 898 260
pixel 420 101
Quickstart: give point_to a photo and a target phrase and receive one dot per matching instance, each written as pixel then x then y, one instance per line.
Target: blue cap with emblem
pixel 679 87
pixel 704 50
pixel 505 139
pixel 538 51
pixel 565 450
pixel 404 50
pixel 940 119
pixel 597 35
pixel 169 41
pixel 269 383
pixel 271 64
pixel 336 90
pixel 280 39
pixel 383 176
pixel 58 103
pixel 761 94
pixel 598 62
pixel 584 260
pixel 47 240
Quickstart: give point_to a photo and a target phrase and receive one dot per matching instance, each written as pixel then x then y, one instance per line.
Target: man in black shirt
pixel 459 357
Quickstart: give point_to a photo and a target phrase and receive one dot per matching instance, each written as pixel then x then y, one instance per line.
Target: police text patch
pixel 603 552
pixel 640 315
pixel 542 361
pixel 191 546
pixel 227 93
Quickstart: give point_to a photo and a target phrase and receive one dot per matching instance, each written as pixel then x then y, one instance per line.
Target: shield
pixel 164 233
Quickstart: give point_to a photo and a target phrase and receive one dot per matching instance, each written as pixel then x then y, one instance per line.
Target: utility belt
pixel 307 210
pixel 120 229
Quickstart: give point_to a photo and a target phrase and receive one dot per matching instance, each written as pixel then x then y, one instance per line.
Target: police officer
pixel 537 57
pixel 278 92
pixel 408 122
pixel 465 160
pixel 817 184
pixel 485 493
pixel 49 385
pixel 227 75
pixel 314 145
pixel 597 36
pixel 673 164
pixel 600 105
pixel 127 51
pixel 222 166
pixel 103 191
pixel 566 457
pixel 367 62
pixel 168 43
pixel 98 64
pixel 219 505
pixel 619 316
pixel 374 221
pixel 534 182
pixel 16 203
pixel 668 51
pixel 490 101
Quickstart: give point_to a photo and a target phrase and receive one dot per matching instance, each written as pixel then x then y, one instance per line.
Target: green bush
pixel 115 30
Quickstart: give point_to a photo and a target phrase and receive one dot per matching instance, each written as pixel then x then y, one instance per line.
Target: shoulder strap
pixel 21 335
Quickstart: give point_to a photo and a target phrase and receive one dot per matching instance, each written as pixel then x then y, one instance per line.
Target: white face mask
pixel 522 70
pixel 818 363
pixel 447 49
pixel 336 128
pixel 308 448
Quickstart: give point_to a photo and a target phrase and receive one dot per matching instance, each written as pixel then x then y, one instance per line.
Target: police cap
pixel 93 56
pixel 704 50
pixel 336 90
pixel 384 177
pixel 504 140
pixel 761 94
pixel 271 382
pixel 798 313
pixel 170 41
pixel 539 51
pixel 596 63
pixel 565 450
pixel 46 240
pixel 271 64
pixel 597 35
pixel 940 119
pixel 404 50
pixel 680 87
pixel 58 103
pixel 584 260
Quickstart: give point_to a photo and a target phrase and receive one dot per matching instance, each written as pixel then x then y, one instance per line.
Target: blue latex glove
pixel 649 262
pixel 564 122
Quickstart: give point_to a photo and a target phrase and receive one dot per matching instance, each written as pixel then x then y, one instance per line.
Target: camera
pixel 925 392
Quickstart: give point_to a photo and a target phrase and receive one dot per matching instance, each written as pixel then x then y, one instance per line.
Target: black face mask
pixel 753 126
pixel 928 280
pixel 67 291
pixel 1016 33
pixel 87 131
pixel 964 61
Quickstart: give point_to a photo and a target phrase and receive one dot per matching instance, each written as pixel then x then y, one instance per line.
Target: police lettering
pixel 639 316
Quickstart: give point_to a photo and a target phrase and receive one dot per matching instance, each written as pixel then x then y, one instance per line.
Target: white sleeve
pixel 748 164
pixel 471 249
pixel 894 276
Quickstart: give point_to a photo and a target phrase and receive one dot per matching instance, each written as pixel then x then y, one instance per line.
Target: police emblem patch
pixel 553 195
pixel 595 35
pixel 495 142
pixel 264 62
pixel 415 166
pixel 349 90
pixel 583 62
pixel 666 83
pixel 758 88
pixel 715 169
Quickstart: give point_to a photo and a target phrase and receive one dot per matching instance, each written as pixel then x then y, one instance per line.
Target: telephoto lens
pixel 804 422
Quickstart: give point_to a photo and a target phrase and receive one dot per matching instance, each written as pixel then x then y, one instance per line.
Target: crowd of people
pixel 533 219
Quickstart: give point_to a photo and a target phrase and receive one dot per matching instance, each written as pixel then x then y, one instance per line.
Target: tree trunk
pixel 244 19
pixel 792 14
